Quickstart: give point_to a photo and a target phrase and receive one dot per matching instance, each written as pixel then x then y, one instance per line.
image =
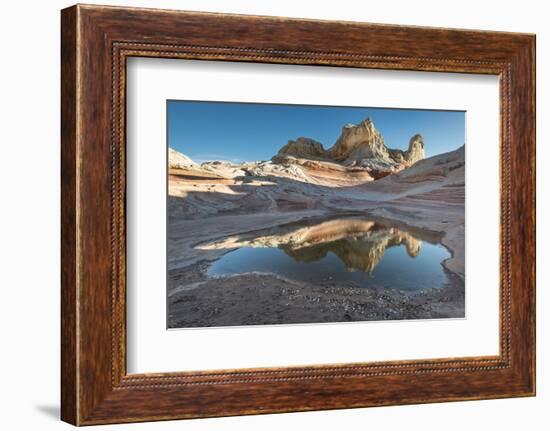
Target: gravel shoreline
pixel 263 299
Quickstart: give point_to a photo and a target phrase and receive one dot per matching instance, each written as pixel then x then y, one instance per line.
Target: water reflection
pixel 364 252
pixel 359 250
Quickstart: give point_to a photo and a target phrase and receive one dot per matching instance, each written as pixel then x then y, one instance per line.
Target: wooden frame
pixel 96 41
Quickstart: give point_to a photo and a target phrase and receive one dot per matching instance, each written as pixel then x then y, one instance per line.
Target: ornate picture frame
pixel 96 42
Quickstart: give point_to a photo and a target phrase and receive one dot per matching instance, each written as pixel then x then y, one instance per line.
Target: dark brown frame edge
pixel 95 43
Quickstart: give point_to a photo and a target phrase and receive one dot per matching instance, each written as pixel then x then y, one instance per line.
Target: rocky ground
pixel 254 299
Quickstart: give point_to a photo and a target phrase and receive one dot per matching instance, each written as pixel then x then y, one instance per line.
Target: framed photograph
pixel 264 214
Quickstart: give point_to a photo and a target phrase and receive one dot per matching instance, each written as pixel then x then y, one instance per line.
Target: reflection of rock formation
pixel 359 244
pixel 360 253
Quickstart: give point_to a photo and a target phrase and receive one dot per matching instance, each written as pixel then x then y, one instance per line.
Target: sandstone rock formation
pixel 304 147
pixel 361 141
pixel 359 146
pixel 413 154
pixel 429 195
pixel 177 160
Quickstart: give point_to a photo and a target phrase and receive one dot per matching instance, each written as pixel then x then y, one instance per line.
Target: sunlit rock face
pixel 303 147
pixel 361 141
pixel 359 244
pixel 415 152
pixel 360 146
pixel 178 160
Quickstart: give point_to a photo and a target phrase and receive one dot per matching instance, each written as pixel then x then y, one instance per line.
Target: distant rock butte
pixel 361 146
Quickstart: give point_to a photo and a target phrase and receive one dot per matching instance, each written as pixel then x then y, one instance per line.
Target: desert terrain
pixel 354 200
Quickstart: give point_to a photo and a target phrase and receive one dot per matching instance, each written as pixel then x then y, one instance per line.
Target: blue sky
pixel 250 131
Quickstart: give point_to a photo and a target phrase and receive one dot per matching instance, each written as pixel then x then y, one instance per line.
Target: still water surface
pixel 367 253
